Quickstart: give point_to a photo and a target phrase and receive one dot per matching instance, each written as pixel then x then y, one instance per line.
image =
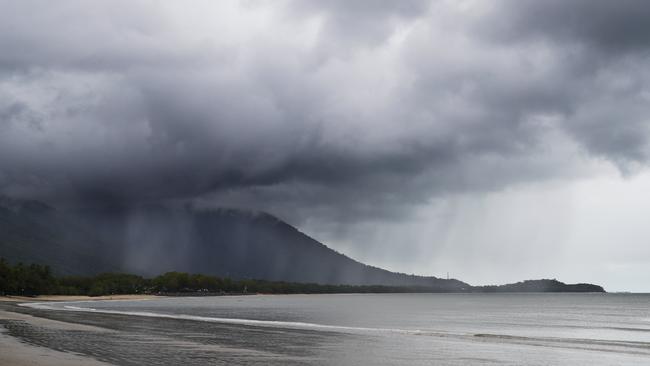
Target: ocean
pixel 357 329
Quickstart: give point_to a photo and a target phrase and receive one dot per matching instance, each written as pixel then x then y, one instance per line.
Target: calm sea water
pixel 407 329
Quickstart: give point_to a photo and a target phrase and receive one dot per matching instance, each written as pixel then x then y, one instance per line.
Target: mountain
pixel 151 240
pixel 33 232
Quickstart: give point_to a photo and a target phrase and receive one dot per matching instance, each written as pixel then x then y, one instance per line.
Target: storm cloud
pixel 335 111
pixel 131 101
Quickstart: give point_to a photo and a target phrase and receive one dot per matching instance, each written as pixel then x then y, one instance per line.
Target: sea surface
pixel 365 329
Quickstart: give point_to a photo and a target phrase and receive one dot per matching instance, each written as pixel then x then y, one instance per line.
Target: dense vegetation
pixel 25 280
pixel 36 279
pixel 219 242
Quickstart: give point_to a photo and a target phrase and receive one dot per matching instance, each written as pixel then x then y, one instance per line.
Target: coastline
pixel 75 298
pixel 45 337
pixel 37 337
pixel 15 352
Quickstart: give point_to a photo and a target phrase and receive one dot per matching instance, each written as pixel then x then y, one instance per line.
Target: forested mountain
pixel 33 232
pixel 153 240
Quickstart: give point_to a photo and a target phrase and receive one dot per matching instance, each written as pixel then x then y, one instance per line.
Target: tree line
pixel 34 279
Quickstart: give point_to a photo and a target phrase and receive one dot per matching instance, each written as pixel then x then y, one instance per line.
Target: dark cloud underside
pixel 338 109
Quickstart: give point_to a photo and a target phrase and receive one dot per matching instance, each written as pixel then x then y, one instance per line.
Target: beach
pixel 344 329
pixel 43 337
pixel 19 353
pixel 74 298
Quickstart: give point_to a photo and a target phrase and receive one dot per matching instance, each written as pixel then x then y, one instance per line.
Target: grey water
pixel 386 329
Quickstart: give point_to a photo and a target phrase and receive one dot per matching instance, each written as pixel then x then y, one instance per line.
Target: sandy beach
pixel 264 331
pixel 75 298
pixel 17 353
pixel 31 336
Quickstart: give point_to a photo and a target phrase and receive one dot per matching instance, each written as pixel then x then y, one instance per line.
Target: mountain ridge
pixel 151 240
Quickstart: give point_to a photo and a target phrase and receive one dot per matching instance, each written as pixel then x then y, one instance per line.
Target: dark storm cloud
pixel 338 109
pixel 614 26
pixel 605 48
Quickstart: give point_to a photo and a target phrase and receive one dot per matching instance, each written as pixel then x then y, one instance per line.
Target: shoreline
pixel 45 337
pixel 16 352
pixel 41 298
pixel 34 337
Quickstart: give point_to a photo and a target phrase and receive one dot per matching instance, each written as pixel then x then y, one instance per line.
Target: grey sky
pixel 426 137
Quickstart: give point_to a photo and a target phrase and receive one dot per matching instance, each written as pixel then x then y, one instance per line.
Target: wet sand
pixel 75 298
pixel 39 336
pixel 17 353
pixel 46 337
